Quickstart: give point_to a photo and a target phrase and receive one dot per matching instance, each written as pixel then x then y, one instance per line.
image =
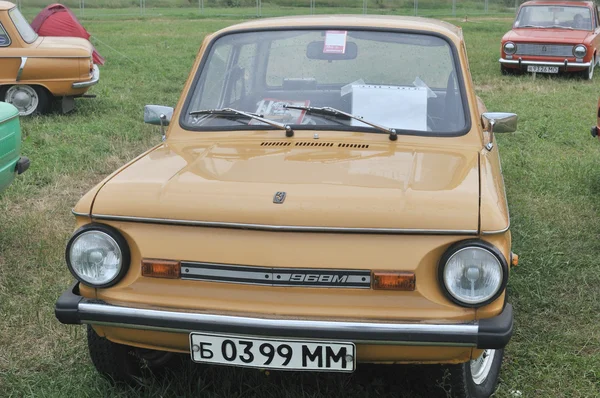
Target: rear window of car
pixel 4 39
pixel 25 30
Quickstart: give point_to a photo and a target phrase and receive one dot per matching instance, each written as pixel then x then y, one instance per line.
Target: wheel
pixel 27 99
pixel 588 74
pixel 474 379
pixel 122 363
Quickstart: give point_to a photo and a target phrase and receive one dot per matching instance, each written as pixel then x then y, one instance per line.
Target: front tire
pixel 122 363
pixel 474 379
pixel 588 74
pixel 29 100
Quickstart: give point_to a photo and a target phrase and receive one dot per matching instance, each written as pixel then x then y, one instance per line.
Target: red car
pixel 552 37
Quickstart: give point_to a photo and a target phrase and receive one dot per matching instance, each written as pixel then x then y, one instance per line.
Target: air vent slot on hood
pixel 275 143
pixel 314 143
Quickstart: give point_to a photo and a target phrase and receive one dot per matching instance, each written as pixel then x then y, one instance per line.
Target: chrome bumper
pixel 71 308
pixel 88 83
pixel 544 63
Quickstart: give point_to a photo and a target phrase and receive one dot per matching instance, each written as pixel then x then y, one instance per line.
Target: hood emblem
pixel 279 197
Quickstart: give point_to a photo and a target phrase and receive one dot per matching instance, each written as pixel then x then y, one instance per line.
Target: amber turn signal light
pixel 161 268
pixel 514 260
pixel 394 281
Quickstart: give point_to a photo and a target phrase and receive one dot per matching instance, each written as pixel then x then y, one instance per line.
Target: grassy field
pixel 551 167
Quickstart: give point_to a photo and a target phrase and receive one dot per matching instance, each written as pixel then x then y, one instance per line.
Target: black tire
pixel 588 74
pixel 44 99
pixel 458 381
pixel 123 364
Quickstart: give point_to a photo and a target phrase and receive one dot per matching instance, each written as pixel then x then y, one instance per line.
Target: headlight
pixel 473 273
pixel 97 255
pixel 510 48
pixel 579 51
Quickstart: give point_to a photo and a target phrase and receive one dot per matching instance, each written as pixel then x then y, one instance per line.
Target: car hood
pixel 331 185
pixel 558 36
pixel 70 45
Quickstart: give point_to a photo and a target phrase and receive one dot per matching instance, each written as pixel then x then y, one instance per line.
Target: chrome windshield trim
pixel 284 228
pixel 99 312
pixel 88 83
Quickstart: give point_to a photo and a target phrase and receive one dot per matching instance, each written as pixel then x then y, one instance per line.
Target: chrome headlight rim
pixel 579 46
pixel 465 244
pixel 114 235
pixel 513 51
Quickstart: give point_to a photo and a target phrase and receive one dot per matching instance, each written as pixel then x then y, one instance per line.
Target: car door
pixel 9 63
pixel 596 27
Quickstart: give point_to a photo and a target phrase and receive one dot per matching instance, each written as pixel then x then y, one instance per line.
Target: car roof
pixel 6 5
pixel 353 21
pixel 557 3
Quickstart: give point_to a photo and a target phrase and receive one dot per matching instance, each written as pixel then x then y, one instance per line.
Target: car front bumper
pixel 494 333
pixel 565 64
pixel 88 83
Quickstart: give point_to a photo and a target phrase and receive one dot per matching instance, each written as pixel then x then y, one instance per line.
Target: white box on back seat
pixel 392 106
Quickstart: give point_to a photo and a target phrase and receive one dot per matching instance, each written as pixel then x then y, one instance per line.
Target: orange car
pixel 36 71
pixel 552 37
pixel 328 193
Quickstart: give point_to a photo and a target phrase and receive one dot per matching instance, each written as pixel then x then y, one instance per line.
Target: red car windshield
pixel 561 17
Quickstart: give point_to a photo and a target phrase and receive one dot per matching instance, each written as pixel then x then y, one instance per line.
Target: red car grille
pixel 549 50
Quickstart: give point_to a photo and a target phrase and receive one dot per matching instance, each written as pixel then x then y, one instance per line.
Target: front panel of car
pixel 299 253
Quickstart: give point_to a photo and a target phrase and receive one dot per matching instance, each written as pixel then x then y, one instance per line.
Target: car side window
pixel 4 39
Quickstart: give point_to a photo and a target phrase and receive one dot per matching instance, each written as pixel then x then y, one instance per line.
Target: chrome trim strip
pixel 542 63
pixel 76 213
pixel 496 232
pixel 276 277
pixel 46 56
pixel 21 67
pixel 360 341
pixel 284 228
pixel 95 78
pixel 88 310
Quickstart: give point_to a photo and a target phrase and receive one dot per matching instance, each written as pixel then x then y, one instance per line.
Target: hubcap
pixel 480 367
pixel 24 98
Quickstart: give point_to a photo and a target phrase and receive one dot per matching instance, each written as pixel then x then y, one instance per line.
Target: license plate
pixel 542 69
pixel 272 353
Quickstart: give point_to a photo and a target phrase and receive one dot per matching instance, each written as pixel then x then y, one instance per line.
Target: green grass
pixel 552 172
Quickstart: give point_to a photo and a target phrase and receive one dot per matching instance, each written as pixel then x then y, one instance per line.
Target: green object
pixel 10 143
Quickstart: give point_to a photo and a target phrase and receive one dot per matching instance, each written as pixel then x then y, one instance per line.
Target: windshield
pixel 25 30
pixel 578 18
pixel 399 80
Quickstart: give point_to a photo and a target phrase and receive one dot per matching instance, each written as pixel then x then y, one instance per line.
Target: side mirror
pixel 158 115
pixel 498 122
pixel 595 129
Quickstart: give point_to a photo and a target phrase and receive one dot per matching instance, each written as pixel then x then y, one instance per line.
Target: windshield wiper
pixel 328 111
pixel 561 27
pixel 531 26
pixel 230 111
